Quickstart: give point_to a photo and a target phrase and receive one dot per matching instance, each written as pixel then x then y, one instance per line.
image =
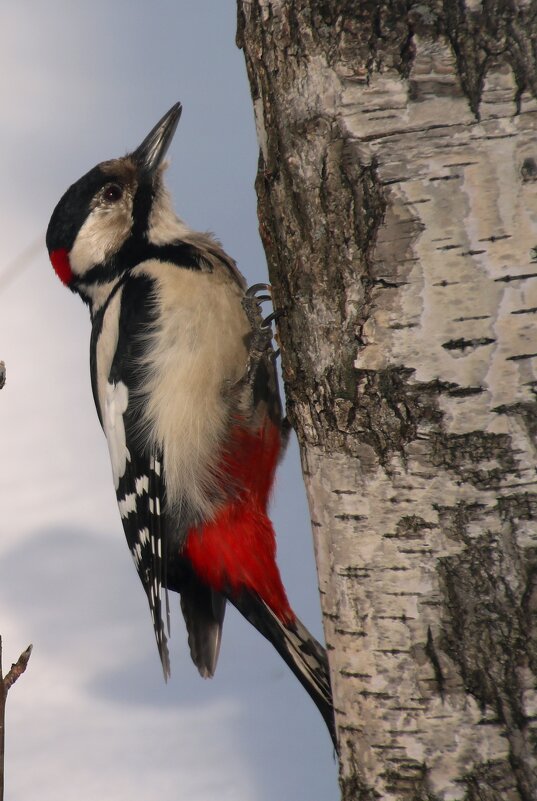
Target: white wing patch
pixel 142 485
pixel 115 406
pixel 127 505
pixel 144 536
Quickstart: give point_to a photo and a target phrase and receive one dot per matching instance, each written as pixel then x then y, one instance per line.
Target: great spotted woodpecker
pixel 183 378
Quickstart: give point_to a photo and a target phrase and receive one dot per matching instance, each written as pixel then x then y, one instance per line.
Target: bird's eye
pixel 112 193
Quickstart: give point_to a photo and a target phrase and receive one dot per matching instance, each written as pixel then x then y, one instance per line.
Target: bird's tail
pixel 298 648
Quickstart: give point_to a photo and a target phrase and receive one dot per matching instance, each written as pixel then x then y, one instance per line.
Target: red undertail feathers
pixel 237 550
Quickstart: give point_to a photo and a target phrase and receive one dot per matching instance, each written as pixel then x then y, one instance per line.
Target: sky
pixel 92 718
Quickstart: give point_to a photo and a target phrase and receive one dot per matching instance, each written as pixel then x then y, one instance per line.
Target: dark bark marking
pixel 382 283
pixel 411 527
pixel 525 411
pixel 386 418
pixel 354 675
pixel 353 785
pixel 465 455
pixel 531 310
pixel 444 178
pixel 430 650
pixel 490 781
pixel 355 572
pixel 348 632
pixel 495 238
pixel 487 629
pixel 465 392
pixel 508 278
pixel 520 357
pixel 465 344
pixel 475 317
pixel 498 136
pixel 404 132
pixel 519 506
pixel 528 170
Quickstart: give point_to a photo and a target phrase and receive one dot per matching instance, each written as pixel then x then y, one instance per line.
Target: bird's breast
pixel 195 355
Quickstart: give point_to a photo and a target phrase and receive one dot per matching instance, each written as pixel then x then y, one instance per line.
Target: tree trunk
pixel 397 192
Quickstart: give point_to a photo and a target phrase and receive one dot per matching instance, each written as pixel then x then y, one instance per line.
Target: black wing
pixel 137 467
pixel 140 497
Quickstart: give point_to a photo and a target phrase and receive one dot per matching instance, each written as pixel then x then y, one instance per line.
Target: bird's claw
pixel 252 301
pixel 272 317
pixel 252 291
pixel 262 334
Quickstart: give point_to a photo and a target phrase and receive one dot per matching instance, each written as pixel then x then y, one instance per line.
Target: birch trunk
pixel 397 192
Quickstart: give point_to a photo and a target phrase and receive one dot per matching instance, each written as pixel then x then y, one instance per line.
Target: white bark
pixel 458 307
pixel 421 481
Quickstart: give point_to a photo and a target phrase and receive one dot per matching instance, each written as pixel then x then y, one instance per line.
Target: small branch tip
pixel 17 668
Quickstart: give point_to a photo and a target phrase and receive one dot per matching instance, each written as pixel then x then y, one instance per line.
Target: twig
pixel 16 670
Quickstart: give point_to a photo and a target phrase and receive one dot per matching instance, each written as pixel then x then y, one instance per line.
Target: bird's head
pixel 105 219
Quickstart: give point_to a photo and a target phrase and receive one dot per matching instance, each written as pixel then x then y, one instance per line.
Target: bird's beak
pixel 150 154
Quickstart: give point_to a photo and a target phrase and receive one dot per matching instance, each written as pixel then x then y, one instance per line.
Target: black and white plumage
pixel 185 388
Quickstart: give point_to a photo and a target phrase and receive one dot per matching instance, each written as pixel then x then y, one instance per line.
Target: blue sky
pixel 92 718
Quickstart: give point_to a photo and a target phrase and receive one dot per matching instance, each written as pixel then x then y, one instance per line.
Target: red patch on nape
pixel 60 261
pixel 237 550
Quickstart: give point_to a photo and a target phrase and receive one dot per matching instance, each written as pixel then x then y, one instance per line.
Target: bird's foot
pixel 260 345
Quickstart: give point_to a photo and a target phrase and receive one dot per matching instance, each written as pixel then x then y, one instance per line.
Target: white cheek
pixel 101 235
pixel 115 405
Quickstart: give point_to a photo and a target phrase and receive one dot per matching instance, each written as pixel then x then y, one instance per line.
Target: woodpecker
pixel 184 382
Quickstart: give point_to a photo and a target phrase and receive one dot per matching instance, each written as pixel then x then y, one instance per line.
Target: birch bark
pixel 397 192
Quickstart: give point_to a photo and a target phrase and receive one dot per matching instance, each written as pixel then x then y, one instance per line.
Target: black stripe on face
pixel 141 211
pixel 135 251
pixel 72 210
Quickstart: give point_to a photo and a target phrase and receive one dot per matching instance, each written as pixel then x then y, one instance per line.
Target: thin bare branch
pixel 17 668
